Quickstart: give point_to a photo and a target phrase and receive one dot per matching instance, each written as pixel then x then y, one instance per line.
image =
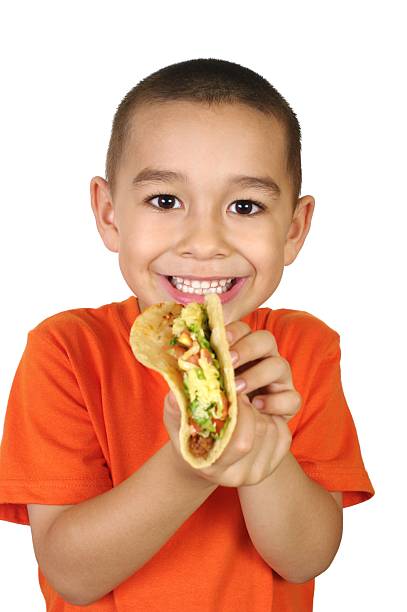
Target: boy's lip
pixel 201 278
pixel 186 298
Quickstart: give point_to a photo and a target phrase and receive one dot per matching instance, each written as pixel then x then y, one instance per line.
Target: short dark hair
pixel 208 81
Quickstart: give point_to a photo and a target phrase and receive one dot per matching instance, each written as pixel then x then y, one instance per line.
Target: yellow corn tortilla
pixel 150 335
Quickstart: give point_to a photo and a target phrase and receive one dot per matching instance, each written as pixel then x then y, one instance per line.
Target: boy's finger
pixel 172 410
pixel 282 403
pixel 272 373
pixel 258 345
pixel 236 330
pixel 172 399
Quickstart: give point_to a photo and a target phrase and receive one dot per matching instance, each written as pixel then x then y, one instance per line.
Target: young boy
pixel 202 184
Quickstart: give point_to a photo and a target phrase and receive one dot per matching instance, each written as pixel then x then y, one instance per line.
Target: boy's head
pixel 210 121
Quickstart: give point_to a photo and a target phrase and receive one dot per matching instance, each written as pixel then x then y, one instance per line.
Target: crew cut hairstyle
pixel 208 81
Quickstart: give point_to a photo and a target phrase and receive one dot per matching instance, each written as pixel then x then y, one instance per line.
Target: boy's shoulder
pixel 289 318
pixel 112 318
pixel 297 329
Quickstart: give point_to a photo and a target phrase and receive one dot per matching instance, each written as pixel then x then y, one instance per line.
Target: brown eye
pixel 245 207
pixel 165 201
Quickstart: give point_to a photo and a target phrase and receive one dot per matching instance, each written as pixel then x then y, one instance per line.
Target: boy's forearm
pixel 96 545
pixel 293 522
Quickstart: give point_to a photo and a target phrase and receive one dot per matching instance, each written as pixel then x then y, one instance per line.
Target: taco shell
pixel 150 336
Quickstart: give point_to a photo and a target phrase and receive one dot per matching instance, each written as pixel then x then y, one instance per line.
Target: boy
pixel 203 181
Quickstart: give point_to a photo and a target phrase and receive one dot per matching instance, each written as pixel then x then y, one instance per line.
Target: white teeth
pixel 204 284
pixel 201 287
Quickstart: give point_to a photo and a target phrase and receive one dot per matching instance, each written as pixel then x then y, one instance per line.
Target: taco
pixel 187 345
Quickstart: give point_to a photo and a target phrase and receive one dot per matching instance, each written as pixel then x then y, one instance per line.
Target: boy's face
pixel 208 228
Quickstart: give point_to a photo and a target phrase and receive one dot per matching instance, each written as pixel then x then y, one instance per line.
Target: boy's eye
pixel 245 207
pixel 166 202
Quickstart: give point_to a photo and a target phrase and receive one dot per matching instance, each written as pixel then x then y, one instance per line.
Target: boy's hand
pixel 261 439
pixel 269 380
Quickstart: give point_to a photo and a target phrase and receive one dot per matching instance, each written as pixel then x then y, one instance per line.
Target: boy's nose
pixel 204 238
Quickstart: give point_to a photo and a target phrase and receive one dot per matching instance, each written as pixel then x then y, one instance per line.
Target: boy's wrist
pixel 190 474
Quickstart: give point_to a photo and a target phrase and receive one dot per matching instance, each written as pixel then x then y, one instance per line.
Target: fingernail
pixel 258 403
pixel 172 398
pixel 234 356
pixel 240 384
pixel 229 335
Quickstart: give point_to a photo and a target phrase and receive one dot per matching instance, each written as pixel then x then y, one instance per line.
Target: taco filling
pixel 208 406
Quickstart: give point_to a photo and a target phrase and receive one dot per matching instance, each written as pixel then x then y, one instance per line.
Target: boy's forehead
pixel 223 139
pixel 176 117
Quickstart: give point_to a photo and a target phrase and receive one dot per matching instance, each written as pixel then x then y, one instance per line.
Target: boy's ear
pixel 102 206
pixel 299 228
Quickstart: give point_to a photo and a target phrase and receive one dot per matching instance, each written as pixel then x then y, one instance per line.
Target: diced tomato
pixel 225 405
pixel 197 427
pixel 194 359
pixel 205 354
pixel 177 350
pixel 218 424
pixel 185 339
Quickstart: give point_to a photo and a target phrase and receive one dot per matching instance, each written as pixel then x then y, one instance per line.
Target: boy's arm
pixel 97 544
pixel 293 522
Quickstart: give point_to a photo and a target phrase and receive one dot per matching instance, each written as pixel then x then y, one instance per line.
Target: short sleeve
pixel 49 451
pixel 325 442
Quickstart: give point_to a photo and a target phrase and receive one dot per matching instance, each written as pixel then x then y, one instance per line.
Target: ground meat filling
pixel 200 446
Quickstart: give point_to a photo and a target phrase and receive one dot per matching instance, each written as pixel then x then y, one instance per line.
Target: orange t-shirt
pixel 76 426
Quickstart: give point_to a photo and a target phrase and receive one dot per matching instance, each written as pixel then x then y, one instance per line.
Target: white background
pixel 66 67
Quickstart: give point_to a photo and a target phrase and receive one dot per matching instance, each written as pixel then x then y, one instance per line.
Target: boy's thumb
pixel 172 399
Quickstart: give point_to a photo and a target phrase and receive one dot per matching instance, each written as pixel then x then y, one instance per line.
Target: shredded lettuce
pixel 202 335
pixel 186 386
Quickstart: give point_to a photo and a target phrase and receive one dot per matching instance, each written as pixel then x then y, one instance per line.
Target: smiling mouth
pixel 199 290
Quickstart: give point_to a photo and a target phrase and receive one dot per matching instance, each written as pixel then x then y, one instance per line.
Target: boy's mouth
pixel 202 287
pixel 188 290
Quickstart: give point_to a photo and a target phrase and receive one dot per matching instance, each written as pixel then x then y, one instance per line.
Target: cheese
pixel 191 314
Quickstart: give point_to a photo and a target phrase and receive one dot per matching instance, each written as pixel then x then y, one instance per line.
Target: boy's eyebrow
pixel 153 175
